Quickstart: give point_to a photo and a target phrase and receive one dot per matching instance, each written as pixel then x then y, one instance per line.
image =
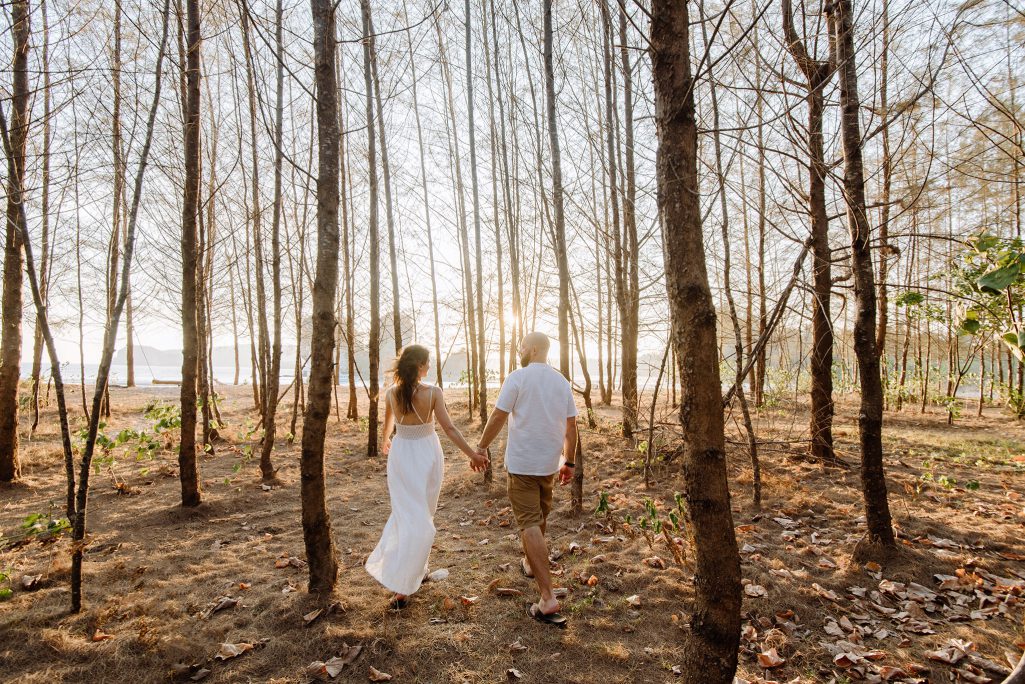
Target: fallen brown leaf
pixel 378 676
pixel 229 651
pixel 770 659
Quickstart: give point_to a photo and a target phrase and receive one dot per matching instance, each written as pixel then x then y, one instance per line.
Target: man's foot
pixel 525 568
pixel 548 613
pixel 398 602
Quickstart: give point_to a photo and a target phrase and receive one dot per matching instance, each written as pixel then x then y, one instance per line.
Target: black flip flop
pixel 554 619
pixel 398 604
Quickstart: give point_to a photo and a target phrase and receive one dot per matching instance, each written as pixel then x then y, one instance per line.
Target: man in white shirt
pixel 538 403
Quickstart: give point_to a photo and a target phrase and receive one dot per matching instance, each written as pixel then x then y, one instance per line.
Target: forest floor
pixel 167 589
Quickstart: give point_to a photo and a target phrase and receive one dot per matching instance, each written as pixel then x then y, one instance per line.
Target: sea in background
pixel 158 368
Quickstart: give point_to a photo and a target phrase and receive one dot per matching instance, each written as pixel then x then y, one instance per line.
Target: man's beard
pixel 524 360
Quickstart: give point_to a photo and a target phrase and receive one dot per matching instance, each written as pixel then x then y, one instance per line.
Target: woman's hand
pixel 386 446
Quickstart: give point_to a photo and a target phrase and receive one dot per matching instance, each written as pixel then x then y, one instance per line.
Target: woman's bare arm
pixel 389 423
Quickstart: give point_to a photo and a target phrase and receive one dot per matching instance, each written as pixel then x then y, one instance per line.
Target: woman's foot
pixel 398 602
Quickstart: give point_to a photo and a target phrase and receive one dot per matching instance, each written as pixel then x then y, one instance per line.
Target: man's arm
pixel 495 424
pixel 569 451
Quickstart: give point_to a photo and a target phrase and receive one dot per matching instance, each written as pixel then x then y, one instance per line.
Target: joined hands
pixel 479 460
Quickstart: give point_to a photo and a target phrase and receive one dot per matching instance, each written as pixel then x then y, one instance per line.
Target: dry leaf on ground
pixel 770 659
pixel 378 676
pixel 229 651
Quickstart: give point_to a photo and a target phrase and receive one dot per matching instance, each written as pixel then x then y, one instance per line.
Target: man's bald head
pixel 534 348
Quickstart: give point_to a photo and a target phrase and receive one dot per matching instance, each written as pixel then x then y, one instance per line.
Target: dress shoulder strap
pixel 417 412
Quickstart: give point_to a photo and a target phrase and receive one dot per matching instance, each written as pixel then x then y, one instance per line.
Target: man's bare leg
pixel 526 564
pixel 537 555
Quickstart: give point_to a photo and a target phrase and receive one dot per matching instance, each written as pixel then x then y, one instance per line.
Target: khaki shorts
pixel 531 499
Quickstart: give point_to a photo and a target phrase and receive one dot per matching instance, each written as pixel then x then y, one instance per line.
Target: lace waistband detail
pixel 414 431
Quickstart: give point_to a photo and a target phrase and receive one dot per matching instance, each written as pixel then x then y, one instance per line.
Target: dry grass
pixel 152 567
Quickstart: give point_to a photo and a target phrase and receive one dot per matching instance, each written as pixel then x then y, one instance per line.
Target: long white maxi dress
pixel 416 465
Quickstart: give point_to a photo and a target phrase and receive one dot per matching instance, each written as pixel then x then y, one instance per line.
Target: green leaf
pixel 910 298
pixel 984 242
pixel 998 280
pixel 970 326
pixel 1011 340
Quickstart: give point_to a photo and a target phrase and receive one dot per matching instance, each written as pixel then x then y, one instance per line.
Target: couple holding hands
pixel 537 402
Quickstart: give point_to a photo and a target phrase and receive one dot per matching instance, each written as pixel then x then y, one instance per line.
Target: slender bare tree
pixel 710 654
pixel 188 467
pixel 870 415
pixel 320 550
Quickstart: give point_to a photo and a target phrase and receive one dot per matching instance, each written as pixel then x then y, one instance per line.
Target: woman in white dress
pixel 416 466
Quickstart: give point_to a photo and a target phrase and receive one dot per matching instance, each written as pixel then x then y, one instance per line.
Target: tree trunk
pixel 438 362
pixel 613 185
pixel 557 198
pixel 738 339
pixel 493 141
pixel 10 345
pixel 885 250
pixel 261 341
pixel 388 212
pixel 320 551
pixel 512 232
pixel 630 302
pixel 710 655
pixel 482 384
pixel 375 241
pixel 759 377
pixel 818 74
pixel 348 240
pixel 77 508
pixel 272 384
pixel 469 319
pixel 560 231
pixel 44 257
pixel 188 468
pixel 870 418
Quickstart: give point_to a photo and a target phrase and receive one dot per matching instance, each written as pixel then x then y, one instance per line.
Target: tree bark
pixel 710 655
pixel 10 344
pixel 77 507
pixel 273 381
pixel 727 286
pixel 188 467
pixel 613 185
pixel 885 250
pixel 630 300
pixel 261 341
pixel 388 211
pixel 818 74
pixel 482 384
pixel 438 362
pixel 557 198
pixel 870 418
pixel 348 239
pixel 469 318
pixel 512 232
pixel 44 257
pixel 320 551
pixel 493 143
pixel 375 241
